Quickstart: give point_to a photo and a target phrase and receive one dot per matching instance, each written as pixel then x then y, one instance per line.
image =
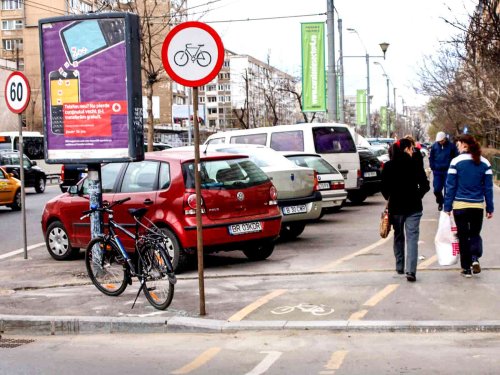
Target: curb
pixel 73 325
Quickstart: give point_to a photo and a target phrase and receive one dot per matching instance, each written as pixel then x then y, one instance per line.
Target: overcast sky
pixel 413 28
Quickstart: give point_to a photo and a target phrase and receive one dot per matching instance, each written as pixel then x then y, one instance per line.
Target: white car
pixel 299 197
pixel 330 180
pixel 381 152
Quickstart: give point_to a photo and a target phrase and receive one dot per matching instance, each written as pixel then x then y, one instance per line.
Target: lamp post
pixel 387 121
pixel 384 46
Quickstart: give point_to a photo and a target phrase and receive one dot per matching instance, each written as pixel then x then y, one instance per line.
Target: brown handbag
pixel 385 224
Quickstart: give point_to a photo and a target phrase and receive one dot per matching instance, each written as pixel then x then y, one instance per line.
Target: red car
pixel 239 212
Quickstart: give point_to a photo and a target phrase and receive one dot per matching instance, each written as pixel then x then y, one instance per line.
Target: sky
pixel 413 28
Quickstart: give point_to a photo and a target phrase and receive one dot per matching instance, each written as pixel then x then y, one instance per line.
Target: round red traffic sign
pixel 17 92
pixel 192 54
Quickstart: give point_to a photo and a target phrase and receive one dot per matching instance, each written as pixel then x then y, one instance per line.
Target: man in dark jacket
pixel 404 183
pixel 442 152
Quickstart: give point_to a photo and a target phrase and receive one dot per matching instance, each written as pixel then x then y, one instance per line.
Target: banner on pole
pixel 361 107
pixel 383 119
pixel 313 67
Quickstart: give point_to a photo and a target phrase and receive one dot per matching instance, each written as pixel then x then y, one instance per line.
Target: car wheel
pixel 17 203
pixel 357 197
pixel 40 185
pixel 260 252
pixel 180 258
pixel 58 244
pixel 290 231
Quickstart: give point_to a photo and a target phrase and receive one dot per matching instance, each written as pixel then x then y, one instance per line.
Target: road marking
pixel 373 301
pixel 381 295
pixel 335 362
pixel 255 305
pixel 332 265
pixel 266 363
pixel 19 251
pixel 427 263
pixel 203 358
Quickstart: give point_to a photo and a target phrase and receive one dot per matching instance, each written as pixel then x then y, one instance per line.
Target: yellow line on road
pixel 381 295
pixel 255 305
pixel 358 315
pixel 330 266
pixel 427 262
pixel 335 362
pixel 203 358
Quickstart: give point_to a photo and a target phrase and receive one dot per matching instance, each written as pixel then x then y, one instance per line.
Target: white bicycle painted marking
pixel 317 310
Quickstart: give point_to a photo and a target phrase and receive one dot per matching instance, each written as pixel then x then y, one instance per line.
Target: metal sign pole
pixel 197 184
pixel 23 193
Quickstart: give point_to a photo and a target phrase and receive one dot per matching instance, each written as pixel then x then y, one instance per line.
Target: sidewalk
pixel 352 293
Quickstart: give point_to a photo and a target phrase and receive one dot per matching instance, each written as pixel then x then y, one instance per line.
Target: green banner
pixel 313 67
pixel 361 107
pixel 383 119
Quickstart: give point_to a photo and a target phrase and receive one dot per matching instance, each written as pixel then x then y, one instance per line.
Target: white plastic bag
pixel 446 241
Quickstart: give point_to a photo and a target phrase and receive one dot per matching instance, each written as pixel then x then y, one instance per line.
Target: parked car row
pixel 34 176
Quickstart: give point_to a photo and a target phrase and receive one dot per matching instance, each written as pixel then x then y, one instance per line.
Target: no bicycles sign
pixel 192 54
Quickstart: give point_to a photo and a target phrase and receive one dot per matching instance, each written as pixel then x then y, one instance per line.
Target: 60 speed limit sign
pixel 17 92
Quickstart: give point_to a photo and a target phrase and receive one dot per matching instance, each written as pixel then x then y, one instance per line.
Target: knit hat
pixel 440 136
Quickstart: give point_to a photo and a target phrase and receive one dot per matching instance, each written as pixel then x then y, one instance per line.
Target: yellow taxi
pixel 10 191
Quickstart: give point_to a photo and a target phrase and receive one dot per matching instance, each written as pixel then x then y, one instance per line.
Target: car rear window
pixel 288 141
pixel 319 164
pixel 225 174
pixel 333 140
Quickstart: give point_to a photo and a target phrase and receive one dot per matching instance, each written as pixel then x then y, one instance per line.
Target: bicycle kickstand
pixel 139 292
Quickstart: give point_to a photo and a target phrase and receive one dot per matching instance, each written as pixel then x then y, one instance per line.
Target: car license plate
pixel 324 186
pixel 370 174
pixel 252 227
pixel 292 210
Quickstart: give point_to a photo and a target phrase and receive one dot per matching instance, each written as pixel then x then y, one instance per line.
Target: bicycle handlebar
pixel 106 208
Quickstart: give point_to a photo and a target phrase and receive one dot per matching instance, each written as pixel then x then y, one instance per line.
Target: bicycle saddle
pixel 138 212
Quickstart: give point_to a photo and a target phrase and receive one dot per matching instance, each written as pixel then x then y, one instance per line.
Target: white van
pixel 334 142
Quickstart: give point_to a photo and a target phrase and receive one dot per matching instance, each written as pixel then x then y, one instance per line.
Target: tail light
pixel 359 173
pixel 190 204
pixel 381 165
pixel 62 173
pixel 337 185
pixel 273 195
pixel 316 183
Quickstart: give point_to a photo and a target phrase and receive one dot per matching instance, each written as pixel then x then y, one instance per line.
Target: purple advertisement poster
pixel 85 89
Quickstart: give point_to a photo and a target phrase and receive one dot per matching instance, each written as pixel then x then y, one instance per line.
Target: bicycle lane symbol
pixel 193 53
pixel 316 310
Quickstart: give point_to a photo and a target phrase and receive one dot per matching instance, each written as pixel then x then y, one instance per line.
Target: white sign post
pixel 192 55
pixel 17 95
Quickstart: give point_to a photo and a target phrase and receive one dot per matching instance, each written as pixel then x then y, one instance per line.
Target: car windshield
pixel 333 140
pixel 225 174
pixel 317 163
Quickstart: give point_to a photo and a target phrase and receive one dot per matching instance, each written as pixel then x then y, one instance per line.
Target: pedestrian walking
pixel 441 154
pixel 404 183
pixel 469 185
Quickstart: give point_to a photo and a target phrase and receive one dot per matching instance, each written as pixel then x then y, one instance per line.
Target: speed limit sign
pixel 17 92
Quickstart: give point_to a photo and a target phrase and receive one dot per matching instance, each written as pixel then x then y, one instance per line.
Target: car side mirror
pixel 33 163
pixel 10 175
pixel 73 189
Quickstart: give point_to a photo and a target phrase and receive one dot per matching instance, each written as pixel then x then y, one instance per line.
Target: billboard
pixel 91 88
pixel 313 67
pixel 361 107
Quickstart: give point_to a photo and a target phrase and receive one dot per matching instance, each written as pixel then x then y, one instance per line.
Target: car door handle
pixel 148 202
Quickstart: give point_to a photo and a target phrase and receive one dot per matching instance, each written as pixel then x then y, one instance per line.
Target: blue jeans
pixel 469 223
pixel 439 183
pixel 411 225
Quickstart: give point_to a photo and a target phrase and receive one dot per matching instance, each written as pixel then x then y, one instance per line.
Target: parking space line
pixel 427 263
pixel 255 305
pixel 267 362
pixel 19 251
pixel 335 362
pixel 373 301
pixel 199 361
pixel 330 266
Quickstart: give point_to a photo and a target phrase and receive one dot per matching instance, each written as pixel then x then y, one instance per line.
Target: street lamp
pixel 384 46
pixel 388 100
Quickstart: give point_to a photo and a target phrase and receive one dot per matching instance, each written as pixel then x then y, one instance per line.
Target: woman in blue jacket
pixel 469 185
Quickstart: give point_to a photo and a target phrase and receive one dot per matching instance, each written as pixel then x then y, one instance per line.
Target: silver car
pixel 298 191
pixel 330 180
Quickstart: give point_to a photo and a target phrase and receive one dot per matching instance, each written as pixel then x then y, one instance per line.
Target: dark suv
pixel 34 176
pixel 371 174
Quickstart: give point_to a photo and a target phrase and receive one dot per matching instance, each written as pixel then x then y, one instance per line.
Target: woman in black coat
pixel 404 184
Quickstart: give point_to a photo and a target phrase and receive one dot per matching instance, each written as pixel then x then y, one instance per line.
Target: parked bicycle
pixel 111 268
pixel 203 58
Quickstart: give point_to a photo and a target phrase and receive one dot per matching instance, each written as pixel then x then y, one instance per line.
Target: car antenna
pixel 206 148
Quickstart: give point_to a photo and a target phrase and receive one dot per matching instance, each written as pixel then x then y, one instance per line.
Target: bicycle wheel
pixel 106 267
pixel 181 58
pixel 158 283
pixel 204 59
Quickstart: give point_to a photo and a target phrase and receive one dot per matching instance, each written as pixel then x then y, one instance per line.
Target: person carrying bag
pixel 446 241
